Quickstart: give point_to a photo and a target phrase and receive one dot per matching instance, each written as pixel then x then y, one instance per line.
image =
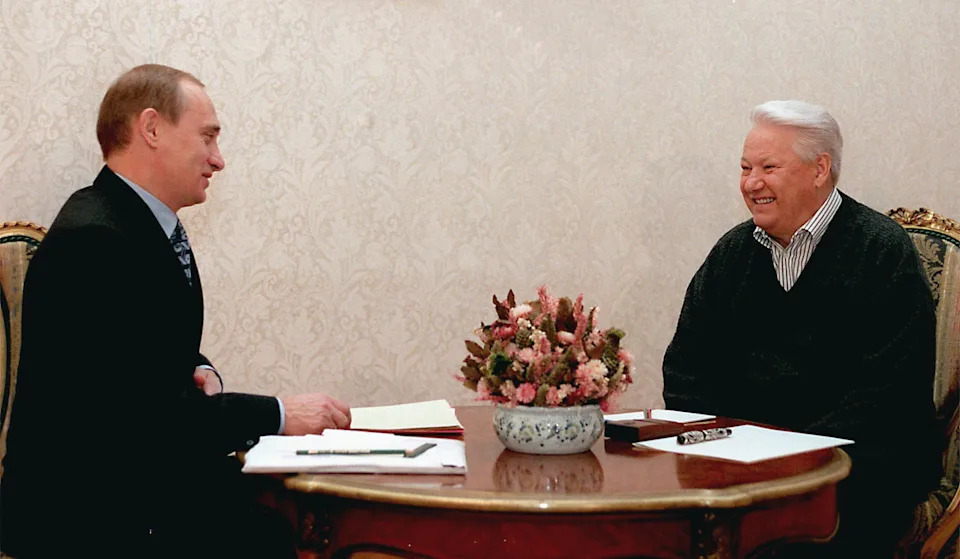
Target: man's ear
pixel 823 170
pixel 147 126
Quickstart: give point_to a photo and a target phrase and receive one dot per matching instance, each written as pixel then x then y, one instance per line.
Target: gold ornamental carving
pixel 925 217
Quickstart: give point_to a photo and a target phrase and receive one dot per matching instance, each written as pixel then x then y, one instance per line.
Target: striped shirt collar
pixel 816 226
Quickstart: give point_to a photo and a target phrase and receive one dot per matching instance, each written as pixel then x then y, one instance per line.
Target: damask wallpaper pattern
pixel 393 164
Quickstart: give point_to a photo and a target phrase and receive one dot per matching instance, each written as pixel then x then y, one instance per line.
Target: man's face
pixel 780 189
pixel 188 154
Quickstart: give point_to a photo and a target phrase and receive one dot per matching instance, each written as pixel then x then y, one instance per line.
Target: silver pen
pixel 693 437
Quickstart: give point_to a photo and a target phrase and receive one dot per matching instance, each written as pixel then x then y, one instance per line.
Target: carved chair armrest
pixel 944 530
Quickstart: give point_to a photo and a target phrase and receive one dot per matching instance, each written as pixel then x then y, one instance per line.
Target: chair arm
pixel 943 531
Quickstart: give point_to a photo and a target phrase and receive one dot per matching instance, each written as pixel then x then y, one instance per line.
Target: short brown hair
pixel 147 86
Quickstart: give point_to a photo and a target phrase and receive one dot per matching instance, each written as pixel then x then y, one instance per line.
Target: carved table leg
pixel 714 536
pixel 313 531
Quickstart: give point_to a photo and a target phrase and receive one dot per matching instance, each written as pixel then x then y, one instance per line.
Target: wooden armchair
pixel 937 240
pixel 18 241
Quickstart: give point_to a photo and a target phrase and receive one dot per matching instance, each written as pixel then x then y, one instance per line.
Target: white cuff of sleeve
pixel 216 372
pixel 282 415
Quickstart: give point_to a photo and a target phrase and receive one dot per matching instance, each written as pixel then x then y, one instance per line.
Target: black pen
pixel 409 453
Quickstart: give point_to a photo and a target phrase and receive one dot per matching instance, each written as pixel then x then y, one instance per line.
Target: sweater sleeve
pixel 892 356
pixel 689 381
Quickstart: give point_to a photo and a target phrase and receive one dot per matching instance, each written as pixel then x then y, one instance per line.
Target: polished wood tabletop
pixel 618 500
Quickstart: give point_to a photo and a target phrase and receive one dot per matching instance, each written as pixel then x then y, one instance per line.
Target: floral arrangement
pixel 547 352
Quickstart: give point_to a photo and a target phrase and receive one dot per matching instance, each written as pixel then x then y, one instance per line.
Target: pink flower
pixel 593 370
pixel 483 390
pixel 581 356
pixel 526 393
pixel 503 331
pixel 593 339
pixel 526 355
pixel 508 390
pixel 520 311
pixel 566 338
pixel 548 305
pixel 591 379
pixel 553 396
pixel 581 325
pixel 543 345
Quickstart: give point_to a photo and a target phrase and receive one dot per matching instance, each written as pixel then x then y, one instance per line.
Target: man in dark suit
pixel 121 433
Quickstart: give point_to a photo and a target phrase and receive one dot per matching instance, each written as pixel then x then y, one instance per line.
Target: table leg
pixel 714 536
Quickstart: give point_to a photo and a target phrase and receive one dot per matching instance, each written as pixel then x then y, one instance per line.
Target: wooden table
pixel 613 501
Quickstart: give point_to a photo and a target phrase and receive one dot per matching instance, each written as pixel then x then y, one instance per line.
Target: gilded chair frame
pixel 19 240
pixel 931 224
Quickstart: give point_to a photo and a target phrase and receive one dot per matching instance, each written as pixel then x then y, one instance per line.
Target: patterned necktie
pixel 182 247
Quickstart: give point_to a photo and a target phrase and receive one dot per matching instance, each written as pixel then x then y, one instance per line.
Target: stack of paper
pixel 749 443
pixel 434 417
pixel 665 415
pixel 277 453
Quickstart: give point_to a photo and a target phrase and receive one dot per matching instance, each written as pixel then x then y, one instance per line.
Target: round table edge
pixel 836 469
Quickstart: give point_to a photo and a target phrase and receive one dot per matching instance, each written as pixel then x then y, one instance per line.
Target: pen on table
pixel 692 437
pixel 408 453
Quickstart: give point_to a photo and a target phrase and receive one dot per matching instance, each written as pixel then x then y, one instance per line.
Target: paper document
pixel 749 443
pixel 434 414
pixel 666 415
pixel 278 454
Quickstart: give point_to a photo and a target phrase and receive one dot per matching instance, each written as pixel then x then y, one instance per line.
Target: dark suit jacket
pixel 110 443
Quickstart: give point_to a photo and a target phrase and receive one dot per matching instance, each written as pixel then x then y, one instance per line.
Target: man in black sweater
pixel 814 316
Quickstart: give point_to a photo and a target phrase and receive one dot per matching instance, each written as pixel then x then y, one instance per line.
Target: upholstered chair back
pixel 937 240
pixel 18 241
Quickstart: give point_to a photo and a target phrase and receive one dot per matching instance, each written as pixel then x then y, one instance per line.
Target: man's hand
pixel 207 380
pixel 312 413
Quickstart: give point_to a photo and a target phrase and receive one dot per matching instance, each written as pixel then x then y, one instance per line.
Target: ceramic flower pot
pixel 560 430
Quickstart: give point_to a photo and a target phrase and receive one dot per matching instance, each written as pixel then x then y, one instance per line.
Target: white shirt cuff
pixel 282 415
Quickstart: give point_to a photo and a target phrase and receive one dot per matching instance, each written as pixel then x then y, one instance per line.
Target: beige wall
pixel 392 164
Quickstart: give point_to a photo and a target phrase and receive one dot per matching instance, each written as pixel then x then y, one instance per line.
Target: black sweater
pixel 847 352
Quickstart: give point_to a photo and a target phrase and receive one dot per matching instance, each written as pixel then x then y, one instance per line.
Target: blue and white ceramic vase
pixel 560 430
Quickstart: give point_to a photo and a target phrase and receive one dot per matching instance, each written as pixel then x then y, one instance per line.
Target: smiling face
pixel 781 190
pixel 187 152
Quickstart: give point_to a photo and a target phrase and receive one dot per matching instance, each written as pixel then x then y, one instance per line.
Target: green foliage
pixel 497 365
pixel 523 338
pixel 541 397
pixel 549 329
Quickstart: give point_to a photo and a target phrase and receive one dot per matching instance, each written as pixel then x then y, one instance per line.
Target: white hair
pixel 817 132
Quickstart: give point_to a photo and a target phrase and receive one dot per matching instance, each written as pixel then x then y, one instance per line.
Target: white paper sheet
pixel 416 415
pixel 277 454
pixel 749 443
pixel 666 415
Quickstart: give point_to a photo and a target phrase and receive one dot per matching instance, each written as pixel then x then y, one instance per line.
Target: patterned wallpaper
pixel 393 164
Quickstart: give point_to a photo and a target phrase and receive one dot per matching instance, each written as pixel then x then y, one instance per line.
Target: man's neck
pixel 138 172
pixel 786 242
